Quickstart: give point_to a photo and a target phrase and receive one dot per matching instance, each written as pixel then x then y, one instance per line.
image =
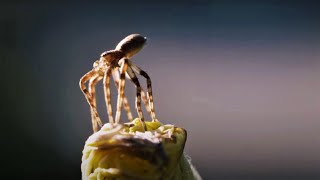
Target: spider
pixel 110 63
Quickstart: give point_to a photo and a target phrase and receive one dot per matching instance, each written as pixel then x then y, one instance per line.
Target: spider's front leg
pixel 88 97
pixel 92 91
pixel 138 70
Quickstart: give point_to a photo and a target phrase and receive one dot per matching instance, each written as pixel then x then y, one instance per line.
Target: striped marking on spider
pixel 117 63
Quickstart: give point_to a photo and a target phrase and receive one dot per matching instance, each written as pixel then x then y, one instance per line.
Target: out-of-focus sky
pixel 241 77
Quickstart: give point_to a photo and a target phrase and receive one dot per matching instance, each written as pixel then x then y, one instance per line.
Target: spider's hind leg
pixel 135 80
pixel 145 101
pixel 138 70
pixel 116 78
pixel 125 100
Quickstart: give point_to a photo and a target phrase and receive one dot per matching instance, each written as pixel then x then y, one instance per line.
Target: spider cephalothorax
pixel 118 64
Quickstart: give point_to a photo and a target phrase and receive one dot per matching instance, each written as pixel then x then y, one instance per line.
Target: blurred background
pixel 242 78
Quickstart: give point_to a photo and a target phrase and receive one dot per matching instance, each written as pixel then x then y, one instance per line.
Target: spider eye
pixel 131 44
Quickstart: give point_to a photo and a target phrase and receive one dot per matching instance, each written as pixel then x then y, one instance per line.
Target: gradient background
pixel 242 78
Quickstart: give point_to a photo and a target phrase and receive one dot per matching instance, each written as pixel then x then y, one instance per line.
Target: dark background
pixel 242 78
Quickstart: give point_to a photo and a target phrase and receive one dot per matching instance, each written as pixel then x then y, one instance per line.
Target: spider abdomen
pixel 131 45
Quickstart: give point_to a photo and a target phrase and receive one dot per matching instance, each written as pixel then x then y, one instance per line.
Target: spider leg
pixel 125 101
pixel 107 94
pixel 88 97
pixel 143 95
pixel 145 101
pixel 123 69
pixel 135 80
pixel 138 70
pixel 116 78
pixel 92 92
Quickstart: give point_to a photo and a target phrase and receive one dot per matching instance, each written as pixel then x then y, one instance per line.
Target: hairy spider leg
pixel 123 69
pixel 107 94
pixel 116 78
pixel 92 91
pixel 138 70
pixel 135 80
pixel 145 101
pixel 88 97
